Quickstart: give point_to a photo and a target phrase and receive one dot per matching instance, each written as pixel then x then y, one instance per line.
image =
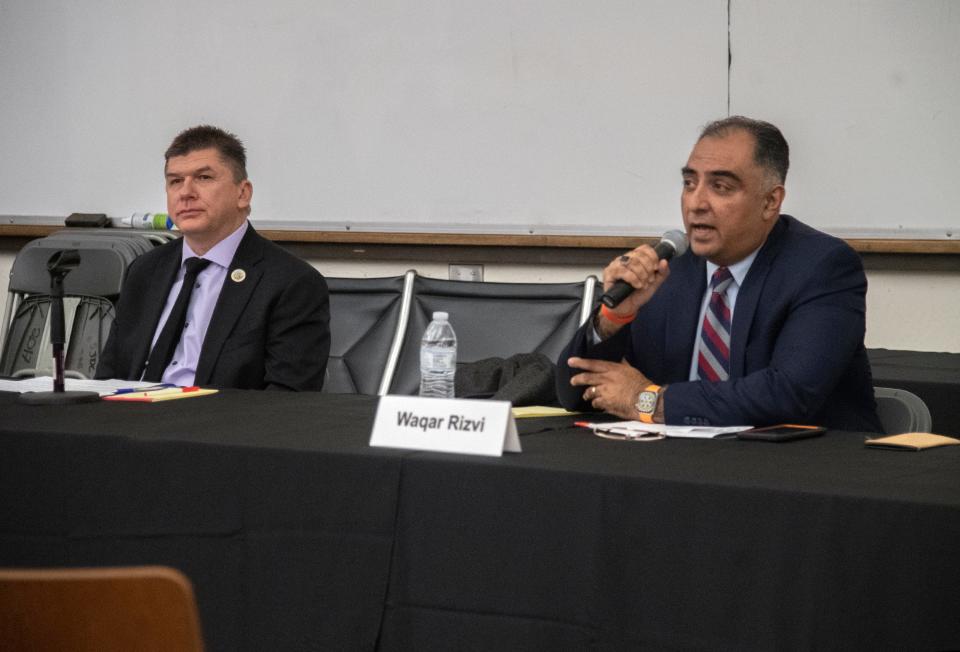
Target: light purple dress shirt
pixel 183 367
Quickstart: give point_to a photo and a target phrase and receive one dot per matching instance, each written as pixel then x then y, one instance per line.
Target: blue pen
pixel 148 388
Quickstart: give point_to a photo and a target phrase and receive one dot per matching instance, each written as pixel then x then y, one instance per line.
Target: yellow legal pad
pixel 530 411
pixel 913 441
pixel 155 396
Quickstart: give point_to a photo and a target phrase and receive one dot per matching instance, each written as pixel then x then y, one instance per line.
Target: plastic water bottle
pixel 438 358
pixel 151 221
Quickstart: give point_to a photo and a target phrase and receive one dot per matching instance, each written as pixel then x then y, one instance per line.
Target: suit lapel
pixel 749 297
pixel 683 313
pixel 233 300
pixel 153 302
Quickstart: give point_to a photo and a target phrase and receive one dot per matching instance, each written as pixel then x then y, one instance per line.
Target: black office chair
pixel 368 320
pixel 901 411
pixel 493 320
pixel 90 292
pixel 88 308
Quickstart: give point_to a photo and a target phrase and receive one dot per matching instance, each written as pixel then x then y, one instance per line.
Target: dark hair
pixel 229 147
pixel 771 151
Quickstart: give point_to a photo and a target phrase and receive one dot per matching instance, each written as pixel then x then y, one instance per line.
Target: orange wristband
pixel 617 319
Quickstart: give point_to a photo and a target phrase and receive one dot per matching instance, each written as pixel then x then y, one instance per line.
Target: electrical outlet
pixel 466 272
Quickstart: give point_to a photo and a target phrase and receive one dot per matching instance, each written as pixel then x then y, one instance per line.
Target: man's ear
pixel 245 195
pixel 773 202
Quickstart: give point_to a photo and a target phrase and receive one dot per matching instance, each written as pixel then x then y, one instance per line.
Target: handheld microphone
pixel 672 243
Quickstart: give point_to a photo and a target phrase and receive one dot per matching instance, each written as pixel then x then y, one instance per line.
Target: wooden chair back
pixel 142 608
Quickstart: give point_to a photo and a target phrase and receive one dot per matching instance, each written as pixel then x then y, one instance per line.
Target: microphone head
pixel 676 239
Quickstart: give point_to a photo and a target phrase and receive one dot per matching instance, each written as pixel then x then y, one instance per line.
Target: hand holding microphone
pixel 673 243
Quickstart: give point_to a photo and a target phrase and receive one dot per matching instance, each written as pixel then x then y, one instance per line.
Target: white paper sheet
pixel 637 428
pixel 45 384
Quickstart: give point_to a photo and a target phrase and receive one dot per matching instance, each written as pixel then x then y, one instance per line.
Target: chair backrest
pixel 493 320
pixel 27 351
pixel 100 273
pixel 901 411
pixel 105 255
pixel 368 320
pixel 98 609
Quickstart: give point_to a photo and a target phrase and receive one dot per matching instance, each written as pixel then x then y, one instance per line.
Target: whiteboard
pixel 485 115
pixel 868 96
pixel 537 116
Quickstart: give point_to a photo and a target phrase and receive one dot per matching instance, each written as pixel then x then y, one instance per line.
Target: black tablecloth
pixel 271 503
pixel 934 377
pixel 591 544
pixel 299 536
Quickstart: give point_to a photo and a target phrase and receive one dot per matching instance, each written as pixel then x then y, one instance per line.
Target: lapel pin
pixel 238 275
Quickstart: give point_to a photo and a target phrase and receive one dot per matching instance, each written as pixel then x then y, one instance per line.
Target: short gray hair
pixel 772 153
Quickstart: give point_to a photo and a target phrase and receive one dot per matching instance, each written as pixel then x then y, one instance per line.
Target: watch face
pixel 647 402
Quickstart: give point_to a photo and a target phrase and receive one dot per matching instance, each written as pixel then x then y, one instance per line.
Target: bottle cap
pixel 440 316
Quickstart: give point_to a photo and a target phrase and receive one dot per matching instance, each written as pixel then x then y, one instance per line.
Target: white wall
pixel 919 311
pixel 6 260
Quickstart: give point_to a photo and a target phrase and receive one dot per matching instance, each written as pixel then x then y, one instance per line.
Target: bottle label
pixel 152 221
pixel 438 359
pixel 161 221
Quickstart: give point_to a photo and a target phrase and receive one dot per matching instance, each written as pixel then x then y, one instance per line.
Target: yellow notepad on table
pixel 157 395
pixel 914 441
pixel 531 411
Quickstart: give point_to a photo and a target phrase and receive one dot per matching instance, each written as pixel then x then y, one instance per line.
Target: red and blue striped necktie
pixel 713 360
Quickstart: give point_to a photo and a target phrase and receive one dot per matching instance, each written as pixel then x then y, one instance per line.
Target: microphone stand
pixel 59 266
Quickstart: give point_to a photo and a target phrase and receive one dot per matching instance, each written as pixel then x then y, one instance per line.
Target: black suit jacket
pixel 796 349
pixel 269 331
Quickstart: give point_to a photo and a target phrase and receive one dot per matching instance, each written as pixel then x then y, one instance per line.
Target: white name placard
pixel 474 427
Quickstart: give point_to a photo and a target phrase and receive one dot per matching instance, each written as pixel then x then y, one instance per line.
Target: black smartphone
pixel 782 432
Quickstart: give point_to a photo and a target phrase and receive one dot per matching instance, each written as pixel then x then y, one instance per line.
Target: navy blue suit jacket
pixel 797 352
pixel 269 331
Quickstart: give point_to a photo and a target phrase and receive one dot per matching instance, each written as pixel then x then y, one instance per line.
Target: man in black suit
pixel 255 317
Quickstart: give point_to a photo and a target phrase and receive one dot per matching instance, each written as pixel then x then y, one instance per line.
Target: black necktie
pixel 170 335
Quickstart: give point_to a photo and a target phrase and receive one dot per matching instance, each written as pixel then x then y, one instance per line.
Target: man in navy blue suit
pixel 760 322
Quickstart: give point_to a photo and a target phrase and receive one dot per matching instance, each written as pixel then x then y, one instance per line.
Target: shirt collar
pixel 738 270
pixel 221 253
